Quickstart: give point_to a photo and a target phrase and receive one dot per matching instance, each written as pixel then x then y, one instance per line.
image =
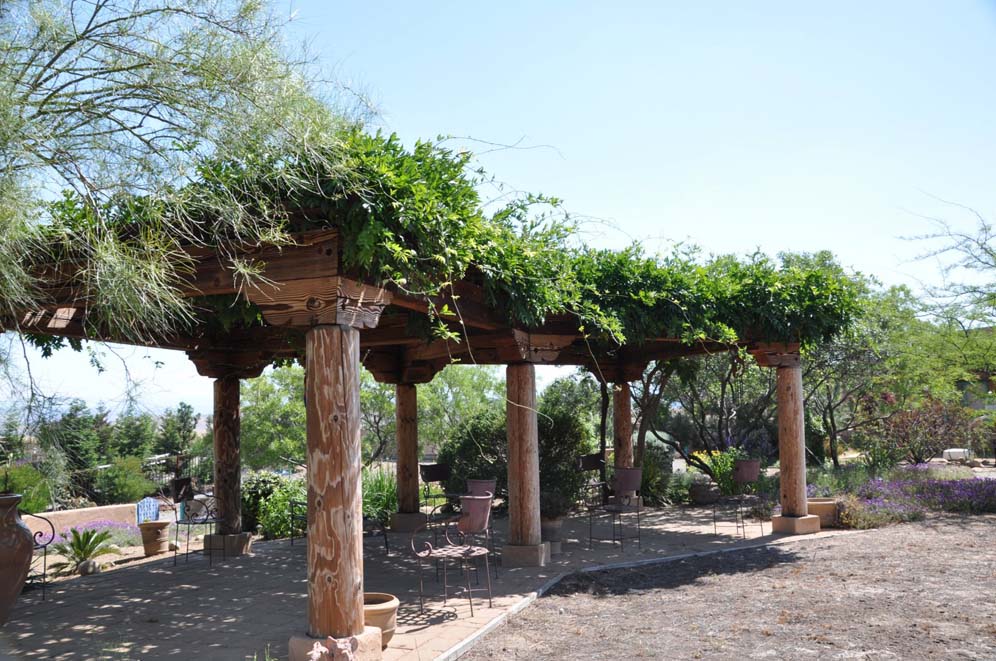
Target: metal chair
pixel 475 514
pixel 38 571
pixel 192 508
pixel 625 500
pixel 299 516
pixel 593 463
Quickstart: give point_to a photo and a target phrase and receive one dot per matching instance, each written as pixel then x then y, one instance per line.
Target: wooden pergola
pixel 336 322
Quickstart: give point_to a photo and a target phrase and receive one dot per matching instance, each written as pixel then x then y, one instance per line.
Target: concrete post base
pixel 365 646
pixel 231 546
pixel 407 521
pixel 525 556
pixel 795 525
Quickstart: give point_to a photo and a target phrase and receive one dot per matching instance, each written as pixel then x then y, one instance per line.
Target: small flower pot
pixel 381 610
pixel 155 537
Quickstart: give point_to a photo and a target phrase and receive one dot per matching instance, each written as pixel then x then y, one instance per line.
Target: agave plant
pixel 82 545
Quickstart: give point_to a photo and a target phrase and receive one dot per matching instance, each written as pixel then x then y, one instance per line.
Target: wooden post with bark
pixel 227 461
pixel 228 367
pixel 408 517
pixel 795 518
pixel 525 547
pixel 622 425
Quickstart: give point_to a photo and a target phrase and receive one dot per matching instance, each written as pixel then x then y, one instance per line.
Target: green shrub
pixel 380 494
pixel 123 482
pixel 722 464
pixel 864 514
pixel 657 470
pixel 478 450
pixel 257 487
pixel 274 514
pixel 563 437
pixel 677 487
pixel 28 481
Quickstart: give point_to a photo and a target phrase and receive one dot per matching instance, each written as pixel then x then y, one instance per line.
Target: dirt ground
pixel 917 591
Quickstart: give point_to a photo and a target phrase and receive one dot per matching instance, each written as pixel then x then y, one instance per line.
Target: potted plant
pixel 16 548
pixel 381 610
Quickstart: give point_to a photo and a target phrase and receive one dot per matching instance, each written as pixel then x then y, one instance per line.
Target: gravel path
pixel 917 591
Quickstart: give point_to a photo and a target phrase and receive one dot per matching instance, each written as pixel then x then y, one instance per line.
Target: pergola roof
pixel 302 285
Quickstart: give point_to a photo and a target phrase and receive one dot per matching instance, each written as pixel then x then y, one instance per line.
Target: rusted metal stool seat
pixel 475 513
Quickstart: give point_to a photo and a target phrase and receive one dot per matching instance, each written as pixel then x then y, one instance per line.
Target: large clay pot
pixel 16 548
pixel 381 610
pixel 155 537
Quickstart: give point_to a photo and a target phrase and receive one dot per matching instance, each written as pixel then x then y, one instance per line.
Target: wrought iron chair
pixel 299 521
pixel 192 508
pixel 745 473
pixel 593 463
pixel 625 500
pixel 38 573
pixel 436 519
pixel 475 514
pixel 484 488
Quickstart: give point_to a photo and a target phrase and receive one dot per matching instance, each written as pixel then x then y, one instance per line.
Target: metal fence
pixel 163 469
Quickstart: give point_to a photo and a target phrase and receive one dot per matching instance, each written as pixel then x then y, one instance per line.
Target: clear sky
pixel 733 126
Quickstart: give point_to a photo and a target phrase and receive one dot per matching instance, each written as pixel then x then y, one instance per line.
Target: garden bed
pixel 836 597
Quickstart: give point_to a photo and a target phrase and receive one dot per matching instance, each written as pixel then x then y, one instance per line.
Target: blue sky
pixel 733 126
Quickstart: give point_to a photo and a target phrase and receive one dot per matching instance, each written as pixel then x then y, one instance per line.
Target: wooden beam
pixel 316 301
pixel 335 502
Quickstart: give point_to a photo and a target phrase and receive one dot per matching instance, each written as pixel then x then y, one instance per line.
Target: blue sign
pixel 147 509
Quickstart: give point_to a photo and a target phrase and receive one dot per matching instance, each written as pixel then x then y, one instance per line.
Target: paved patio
pixel 248 607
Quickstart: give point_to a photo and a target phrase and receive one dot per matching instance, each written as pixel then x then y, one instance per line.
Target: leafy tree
pixel 378 411
pixel 75 434
pixel 120 97
pixel 134 434
pixel 273 418
pixel 177 430
pixel 455 396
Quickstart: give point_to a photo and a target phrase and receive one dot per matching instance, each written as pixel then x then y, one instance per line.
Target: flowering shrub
pixel 864 513
pixel 119 534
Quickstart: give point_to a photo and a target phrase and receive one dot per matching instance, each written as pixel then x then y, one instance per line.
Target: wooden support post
pixel 795 518
pixel 622 425
pixel 335 502
pixel 525 547
pixel 227 464
pixel 406 429
pixel 791 441
pixel 408 517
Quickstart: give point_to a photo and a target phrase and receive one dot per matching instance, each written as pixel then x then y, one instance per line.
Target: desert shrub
pixel 975 496
pixel 274 514
pixel 380 494
pixel 657 472
pixel 28 481
pixel 677 487
pixel 826 480
pixel 478 450
pixel 257 487
pixel 863 513
pixel 920 433
pixel 122 482
pixel 563 437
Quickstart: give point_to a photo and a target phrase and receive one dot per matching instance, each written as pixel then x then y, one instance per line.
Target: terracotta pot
pixel 16 548
pixel 381 610
pixel 155 537
pixel 703 494
pixel 826 509
pixel 746 470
